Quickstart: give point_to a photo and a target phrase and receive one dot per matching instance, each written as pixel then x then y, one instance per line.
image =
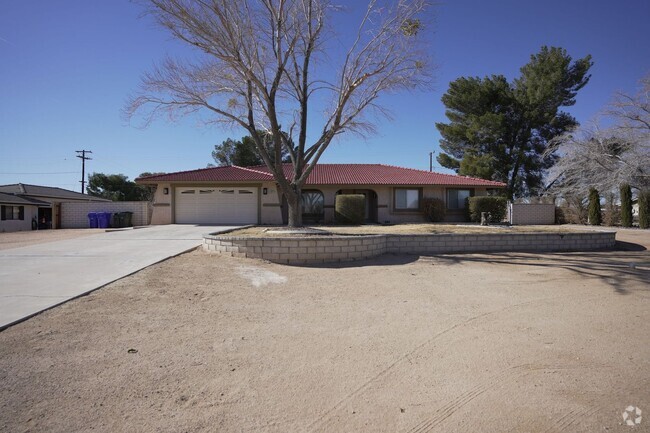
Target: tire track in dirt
pixel 322 422
pixel 570 418
pixel 516 372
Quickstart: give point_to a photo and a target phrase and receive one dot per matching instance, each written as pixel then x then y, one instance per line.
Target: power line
pixel 53 172
pixel 83 158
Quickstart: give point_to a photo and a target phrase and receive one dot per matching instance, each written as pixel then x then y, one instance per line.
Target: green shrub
pixel 644 209
pixel 496 206
pixel 626 205
pixel 434 209
pixel 595 214
pixel 350 209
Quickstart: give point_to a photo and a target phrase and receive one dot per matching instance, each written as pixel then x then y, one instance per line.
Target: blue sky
pixel 67 67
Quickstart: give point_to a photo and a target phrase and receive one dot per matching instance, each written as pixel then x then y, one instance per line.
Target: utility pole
pixel 83 167
pixel 431 161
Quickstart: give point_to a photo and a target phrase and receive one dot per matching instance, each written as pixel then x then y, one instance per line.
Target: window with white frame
pixel 407 198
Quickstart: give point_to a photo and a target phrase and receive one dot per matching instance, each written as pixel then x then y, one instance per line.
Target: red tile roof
pixel 328 174
pixel 231 173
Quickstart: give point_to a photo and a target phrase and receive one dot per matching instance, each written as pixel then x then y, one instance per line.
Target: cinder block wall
pixel 532 213
pixel 319 249
pixel 74 215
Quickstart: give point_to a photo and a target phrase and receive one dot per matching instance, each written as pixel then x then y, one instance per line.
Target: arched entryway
pixel 313 206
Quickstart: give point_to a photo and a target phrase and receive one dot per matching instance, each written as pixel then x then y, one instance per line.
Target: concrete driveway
pixel 37 277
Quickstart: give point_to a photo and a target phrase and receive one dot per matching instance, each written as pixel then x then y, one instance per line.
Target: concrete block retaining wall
pixel 324 249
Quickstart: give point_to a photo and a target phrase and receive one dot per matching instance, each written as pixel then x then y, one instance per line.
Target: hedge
pixel 434 209
pixel 350 209
pixel 496 206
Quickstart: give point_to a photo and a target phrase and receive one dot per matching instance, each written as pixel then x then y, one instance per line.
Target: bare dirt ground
pixel 451 343
pixel 32 237
pixel 416 228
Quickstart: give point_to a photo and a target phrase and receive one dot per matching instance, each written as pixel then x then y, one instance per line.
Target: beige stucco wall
pixel 20 225
pixel 162 205
pixel 271 210
pixel 385 209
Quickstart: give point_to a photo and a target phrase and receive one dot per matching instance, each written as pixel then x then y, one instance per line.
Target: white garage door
pixel 216 205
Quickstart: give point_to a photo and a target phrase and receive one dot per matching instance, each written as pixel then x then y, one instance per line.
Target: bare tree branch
pixel 258 70
pixel 606 158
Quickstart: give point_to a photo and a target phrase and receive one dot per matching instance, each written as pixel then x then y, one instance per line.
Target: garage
pixel 216 205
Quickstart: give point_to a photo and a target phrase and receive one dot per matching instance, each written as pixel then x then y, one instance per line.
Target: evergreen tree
pixel 644 209
pixel 117 187
pixel 499 130
pixel 595 217
pixel 626 205
pixel 244 153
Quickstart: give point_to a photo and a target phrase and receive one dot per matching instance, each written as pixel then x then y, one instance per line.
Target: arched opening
pixel 313 206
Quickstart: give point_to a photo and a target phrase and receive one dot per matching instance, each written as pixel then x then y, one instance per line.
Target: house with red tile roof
pixel 250 195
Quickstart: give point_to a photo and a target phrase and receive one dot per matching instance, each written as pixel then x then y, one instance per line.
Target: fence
pixel 531 213
pixel 74 215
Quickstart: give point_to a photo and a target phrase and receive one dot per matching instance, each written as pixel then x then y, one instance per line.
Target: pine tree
pixel 499 129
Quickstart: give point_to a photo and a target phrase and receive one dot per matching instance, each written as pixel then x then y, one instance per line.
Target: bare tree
pixel 262 67
pixel 633 112
pixel 605 158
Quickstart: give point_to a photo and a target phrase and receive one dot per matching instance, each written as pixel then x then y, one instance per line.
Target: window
pixel 456 198
pixel 13 212
pixel 227 191
pixel 407 199
pixel 188 191
pixel 245 191
pixel 206 191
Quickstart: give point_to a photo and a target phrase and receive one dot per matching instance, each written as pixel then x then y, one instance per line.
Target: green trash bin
pixel 126 219
pixel 116 221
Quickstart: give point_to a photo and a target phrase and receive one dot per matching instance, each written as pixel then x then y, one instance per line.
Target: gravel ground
pixel 450 343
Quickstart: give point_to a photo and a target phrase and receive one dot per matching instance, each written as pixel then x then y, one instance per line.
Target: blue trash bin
pixel 100 220
pixel 92 220
pixel 103 220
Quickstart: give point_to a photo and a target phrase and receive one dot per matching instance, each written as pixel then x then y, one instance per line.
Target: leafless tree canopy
pixel 264 63
pixel 605 158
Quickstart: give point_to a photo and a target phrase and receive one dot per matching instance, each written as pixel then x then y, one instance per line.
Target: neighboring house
pixel 249 195
pixel 47 200
pixel 17 213
pixel 635 210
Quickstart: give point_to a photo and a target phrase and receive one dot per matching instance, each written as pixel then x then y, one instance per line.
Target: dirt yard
pixel 468 228
pixel 451 343
pixel 32 237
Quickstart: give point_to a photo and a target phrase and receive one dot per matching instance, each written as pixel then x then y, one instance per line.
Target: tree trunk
pixel 294 202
